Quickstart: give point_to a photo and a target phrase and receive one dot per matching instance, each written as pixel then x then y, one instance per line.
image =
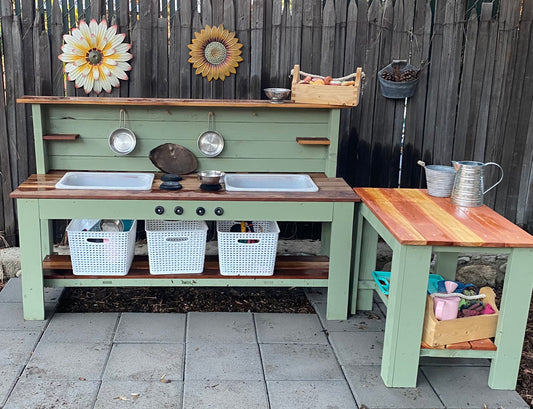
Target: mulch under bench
pixel 185 299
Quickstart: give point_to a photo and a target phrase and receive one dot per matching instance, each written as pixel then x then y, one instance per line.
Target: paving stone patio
pixel 218 360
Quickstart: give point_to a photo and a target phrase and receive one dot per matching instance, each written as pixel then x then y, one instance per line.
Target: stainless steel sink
pixel 269 182
pixel 106 181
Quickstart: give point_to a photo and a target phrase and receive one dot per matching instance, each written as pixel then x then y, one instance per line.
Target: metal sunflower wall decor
pixel 215 53
pixel 95 56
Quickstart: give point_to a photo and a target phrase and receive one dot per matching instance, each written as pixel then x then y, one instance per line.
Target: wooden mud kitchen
pixel 72 134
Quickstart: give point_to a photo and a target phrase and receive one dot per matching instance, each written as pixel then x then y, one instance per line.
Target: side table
pixel 416 225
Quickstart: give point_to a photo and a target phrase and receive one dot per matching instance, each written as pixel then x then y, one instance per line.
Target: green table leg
pixel 340 255
pixel 514 310
pixel 31 259
pixel 446 265
pixel 405 315
pixel 367 243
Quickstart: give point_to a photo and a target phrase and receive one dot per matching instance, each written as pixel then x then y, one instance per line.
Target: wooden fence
pixel 473 101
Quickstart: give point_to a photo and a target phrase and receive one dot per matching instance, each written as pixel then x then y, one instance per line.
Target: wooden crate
pixel 326 94
pixel 437 332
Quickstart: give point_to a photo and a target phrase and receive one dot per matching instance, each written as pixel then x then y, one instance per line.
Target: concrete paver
pixel 222 327
pixel 139 394
pixel 13 318
pixel 310 395
pixel 225 394
pixel 370 321
pixel 139 327
pixel 232 362
pixel 304 362
pixel 219 360
pixel 466 387
pixel 357 348
pixel 67 361
pixel 33 393
pixel 369 389
pixel 81 327
pixel 8 376
pixel 145 362
pixel 16 346
pixel 283 328
pixel 12 292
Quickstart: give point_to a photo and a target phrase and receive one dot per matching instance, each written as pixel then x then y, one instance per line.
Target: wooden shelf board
pixel 61 137
pixel 477 345
pixel 287 267
pixel 313 141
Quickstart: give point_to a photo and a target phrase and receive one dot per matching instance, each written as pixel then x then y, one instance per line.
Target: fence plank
pixel 416 108
pixel 7 215
pixel 307 37
pixel 196 81
pixel 275 44
pixel 161 50
pixel 174 68
pixel 375 12
pixel 383 118
pixel 256 48
pixel 328 39
pixel 520 106
pixel 487 35
pixel 524 214
pixel 56 40
pixel 207 19
pixel 185 14
pixel 9 71
pixel 20 110
pixel 296 33
pixel 124 27
pixel 286 40
pixel 229 21
pixel 465 92
pixel 242 80
pixel 501 98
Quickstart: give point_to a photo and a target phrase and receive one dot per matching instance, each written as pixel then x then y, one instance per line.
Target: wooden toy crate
pixel 438 333
pixel 326 94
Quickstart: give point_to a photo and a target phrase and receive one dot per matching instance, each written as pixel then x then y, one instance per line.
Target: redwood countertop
pixel 42 186
pixel 415 218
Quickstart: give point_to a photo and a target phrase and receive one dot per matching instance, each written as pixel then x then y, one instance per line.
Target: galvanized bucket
pixel 439 179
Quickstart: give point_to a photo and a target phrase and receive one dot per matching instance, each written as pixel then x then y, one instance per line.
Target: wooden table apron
pixel 407 297
pixel 35 217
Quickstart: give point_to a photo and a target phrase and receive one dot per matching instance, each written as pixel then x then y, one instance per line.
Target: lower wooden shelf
pixel 59 267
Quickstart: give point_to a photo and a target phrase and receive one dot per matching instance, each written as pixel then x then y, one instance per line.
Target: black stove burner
pixel 211 188
pixel 170 186
pixel 171 177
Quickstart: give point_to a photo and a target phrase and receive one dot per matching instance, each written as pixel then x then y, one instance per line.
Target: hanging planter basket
pixel 398 80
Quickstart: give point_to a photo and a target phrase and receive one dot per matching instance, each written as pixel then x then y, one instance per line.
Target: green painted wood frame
pixel 407 297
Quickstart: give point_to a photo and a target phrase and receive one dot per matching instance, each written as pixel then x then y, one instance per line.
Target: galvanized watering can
pixel 468 187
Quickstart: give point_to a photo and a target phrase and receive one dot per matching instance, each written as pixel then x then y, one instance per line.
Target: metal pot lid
pixel 122 141
pixel 211 143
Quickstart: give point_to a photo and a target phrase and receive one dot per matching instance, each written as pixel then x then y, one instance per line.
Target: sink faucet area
pixel 270 182
pixel 106 181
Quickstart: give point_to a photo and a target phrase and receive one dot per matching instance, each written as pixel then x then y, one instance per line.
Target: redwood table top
pixel 415 218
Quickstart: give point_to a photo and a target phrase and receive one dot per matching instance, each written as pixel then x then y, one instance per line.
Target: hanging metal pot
pixel 122 140
pixel 211 142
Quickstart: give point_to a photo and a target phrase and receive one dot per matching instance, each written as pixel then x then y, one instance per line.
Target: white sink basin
pixel 268 182
pixel 106 181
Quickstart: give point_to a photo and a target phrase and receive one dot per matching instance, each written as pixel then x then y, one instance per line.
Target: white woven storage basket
pixel 176 247
pixel 104 253
pixel 247 254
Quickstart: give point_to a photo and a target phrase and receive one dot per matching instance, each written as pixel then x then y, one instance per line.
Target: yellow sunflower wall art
pixel 215 53
pixel 95 56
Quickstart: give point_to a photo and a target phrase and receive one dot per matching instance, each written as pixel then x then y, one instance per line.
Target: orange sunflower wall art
pixel 215 53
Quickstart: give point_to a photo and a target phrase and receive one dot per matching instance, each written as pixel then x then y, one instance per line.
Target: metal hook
pixel 122 118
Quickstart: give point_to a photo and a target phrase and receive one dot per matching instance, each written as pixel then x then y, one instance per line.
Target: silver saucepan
pixel 122 140
pixel 210 142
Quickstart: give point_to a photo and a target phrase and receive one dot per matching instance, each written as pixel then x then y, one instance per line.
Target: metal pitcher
pixel 468 187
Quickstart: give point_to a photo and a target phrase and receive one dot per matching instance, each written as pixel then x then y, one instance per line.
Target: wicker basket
pixel 106 253
pixel 247 254
pixel 176 247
